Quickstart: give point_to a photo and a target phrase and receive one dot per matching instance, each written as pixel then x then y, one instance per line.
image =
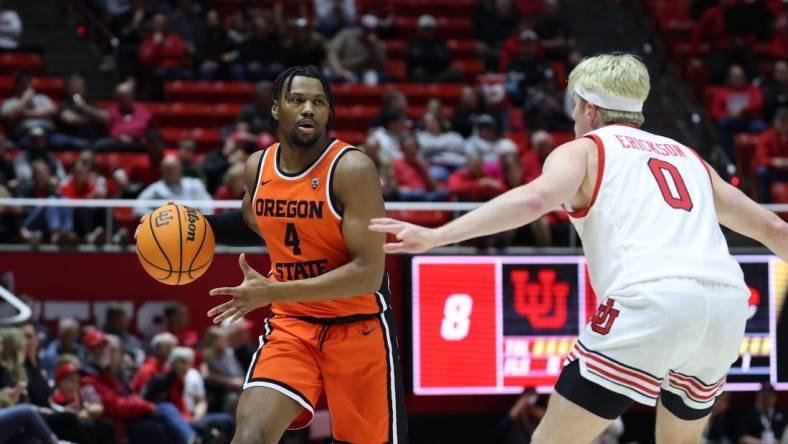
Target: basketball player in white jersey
pixel 648 210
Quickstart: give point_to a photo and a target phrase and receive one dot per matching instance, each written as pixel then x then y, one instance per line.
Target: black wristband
pixel 230 229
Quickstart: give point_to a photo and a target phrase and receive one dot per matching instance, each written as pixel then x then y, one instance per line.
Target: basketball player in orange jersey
pixel 311 199
pixel 648 210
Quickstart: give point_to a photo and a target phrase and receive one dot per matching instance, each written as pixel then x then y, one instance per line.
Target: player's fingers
pixel 384 221
pixel 220 308
pixel 228 291
pixel 225 315
pixel 394 247
pixel 237 316
pixel 383 228
pixel 244 265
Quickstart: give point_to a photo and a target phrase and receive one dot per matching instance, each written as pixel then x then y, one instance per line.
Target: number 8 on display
pixel 456 317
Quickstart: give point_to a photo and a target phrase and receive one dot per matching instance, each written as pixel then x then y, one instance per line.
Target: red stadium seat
pixel 12 61
pixel 463 49
pixel 396 69
pixel 437 8
pixel 780 192
pixel 352 137
pixel 350 94
pixel 471 68
pixel 51 86
pixel 670 10
pixel 431 218
pixel 449 94
pixel 448 27
pixel 206 139
pixel 396 49
pixel 198 91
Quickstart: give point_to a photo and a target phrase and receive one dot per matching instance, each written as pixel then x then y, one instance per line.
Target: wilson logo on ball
pixel 192 216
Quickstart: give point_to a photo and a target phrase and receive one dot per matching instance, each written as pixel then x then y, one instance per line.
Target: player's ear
pixel 275 109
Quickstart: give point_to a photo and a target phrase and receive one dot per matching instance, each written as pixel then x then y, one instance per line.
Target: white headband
pixel 615 103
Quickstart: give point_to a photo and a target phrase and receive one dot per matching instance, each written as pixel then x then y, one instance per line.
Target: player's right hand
pixel 142 221
pixel 413 238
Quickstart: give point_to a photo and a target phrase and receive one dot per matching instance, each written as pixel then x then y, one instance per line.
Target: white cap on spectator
pixel 37 131
pixel 369 21
pixel 427 21
pixel 528 35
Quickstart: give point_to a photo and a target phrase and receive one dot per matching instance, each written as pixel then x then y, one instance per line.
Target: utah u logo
pixel 603 318
pixel 543 303
pixel 163 218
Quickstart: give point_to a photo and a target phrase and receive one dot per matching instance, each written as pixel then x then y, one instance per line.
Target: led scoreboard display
pixel 486 325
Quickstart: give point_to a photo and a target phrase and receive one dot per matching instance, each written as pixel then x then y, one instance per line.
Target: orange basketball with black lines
pixel 175 244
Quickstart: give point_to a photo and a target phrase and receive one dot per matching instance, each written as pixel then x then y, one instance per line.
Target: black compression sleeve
pixel 230 229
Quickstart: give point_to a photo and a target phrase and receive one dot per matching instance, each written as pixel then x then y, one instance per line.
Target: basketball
pixel 175 244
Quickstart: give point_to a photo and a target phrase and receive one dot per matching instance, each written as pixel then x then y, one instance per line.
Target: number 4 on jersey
pixel 681 199
pixel 291 238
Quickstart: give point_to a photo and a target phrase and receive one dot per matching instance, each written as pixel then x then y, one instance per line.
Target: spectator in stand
pixel 10 222
pixel 237 148
pixel 260 56
pixel 128 27
pixel 384 11
pixel 78 185
pixel 55 223
pixel 554 32
pixel 222 372
pixel 187 153
pixel 531 163
pixel 10 28
pixel 775 90
pixel 141 421
pixel 543 106
pixel 69 397
pixel 728 45
pixel 383 164
pixel 466 112
pixel 117 323
pixel 429 59
pixel 185 22
pixel 414 182
pixel 66 342
pixel 736 108
pixel 161 346
pixel 392 100
pixel 358 55
pixel 303 46
pixel 165 54
pixel 24 424
pixel 494 20
pixel 332 16
pixel 390 134
pixel 237 28
pixel 214 52
pixel 444 150
pixel 233 186
pixel 145 170
pixel 771 156
pixel 27 109
pixel 178 321
pixel 473 184
pixel 488 143
pixel 527 69
pixel 255 114
pixel 238 338
pixel 36 148
pixel 7 170
pixel 523 417
pixel 717 430
pixel 173 186
pixel 286 11
pixel 170 387
pixel 79 122
pixel 94 172
pixel 127 122
pixel 764 422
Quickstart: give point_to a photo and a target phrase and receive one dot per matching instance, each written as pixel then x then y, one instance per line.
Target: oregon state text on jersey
pixel 652 214
pixel 299 218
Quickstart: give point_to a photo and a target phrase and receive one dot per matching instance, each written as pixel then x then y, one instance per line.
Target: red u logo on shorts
pixel 603 317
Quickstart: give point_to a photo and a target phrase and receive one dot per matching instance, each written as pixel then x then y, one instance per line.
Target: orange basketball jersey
pixel 299 218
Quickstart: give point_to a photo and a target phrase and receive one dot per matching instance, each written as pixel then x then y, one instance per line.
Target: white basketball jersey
pixel 652 214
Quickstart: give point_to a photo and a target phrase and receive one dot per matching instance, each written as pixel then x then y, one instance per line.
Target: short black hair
pixel 283 83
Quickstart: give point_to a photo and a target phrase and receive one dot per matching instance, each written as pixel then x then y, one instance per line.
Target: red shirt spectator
pixel 771 145
pixel 409 175
pixel 150 368
pixel 144 170
pixel 738 99
pixel 711 29
pixel 78 185
pixel 471 184
pixel 132 121
pixel 162 49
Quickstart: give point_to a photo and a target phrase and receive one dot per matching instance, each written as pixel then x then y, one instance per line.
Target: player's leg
pixel 263 415
pixel 687 429
pixel 282 385
pixel 579 410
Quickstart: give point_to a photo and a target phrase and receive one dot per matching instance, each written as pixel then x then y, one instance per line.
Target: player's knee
pixel 252 435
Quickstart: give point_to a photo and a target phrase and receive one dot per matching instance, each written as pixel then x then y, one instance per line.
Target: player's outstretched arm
pixel 562 175
pixel 743 215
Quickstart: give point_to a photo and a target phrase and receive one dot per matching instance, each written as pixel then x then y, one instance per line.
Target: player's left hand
pixel 254 292
pixel 413 238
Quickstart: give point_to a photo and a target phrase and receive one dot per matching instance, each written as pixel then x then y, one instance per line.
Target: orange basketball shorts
pixel 356 363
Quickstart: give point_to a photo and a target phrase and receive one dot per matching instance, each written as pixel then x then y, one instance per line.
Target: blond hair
pixel 616 74
pixel 13 355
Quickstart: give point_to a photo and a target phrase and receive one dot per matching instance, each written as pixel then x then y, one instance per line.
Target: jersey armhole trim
pixel 332 199
pixel 600 171
pixel 259 175
pixel 702 162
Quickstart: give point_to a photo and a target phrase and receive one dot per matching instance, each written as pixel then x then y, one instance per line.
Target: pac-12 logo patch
pixel 603 318
pixel 315 183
